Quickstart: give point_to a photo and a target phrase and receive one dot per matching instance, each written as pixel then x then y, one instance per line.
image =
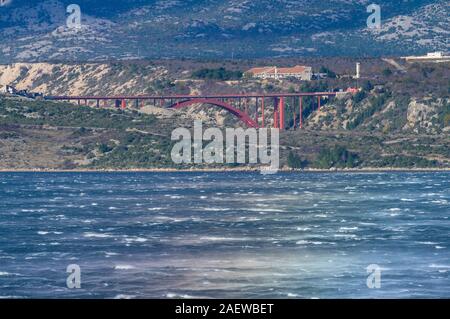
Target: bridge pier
pixel 295 121
pixel 275 113
pixel 281 110
pixel 300 112
pixel 294 114
pixel 256 112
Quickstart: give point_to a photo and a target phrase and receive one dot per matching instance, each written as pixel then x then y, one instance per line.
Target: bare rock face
pixel 79 79
pixel 420 117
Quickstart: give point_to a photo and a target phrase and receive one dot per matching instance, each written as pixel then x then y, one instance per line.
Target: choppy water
pixel 224 235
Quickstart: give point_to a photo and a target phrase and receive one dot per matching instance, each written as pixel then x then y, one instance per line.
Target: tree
pixel 358 97
pixel 328 72
pixel 366 86
pixel 387 72
pixel 104 148
pixel 337 156
pixel 294 161
pixel 220 74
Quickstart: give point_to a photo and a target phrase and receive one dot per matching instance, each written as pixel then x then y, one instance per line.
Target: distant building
pixel 13 91
pixel 10 90
pixel 430 57
pixel 272 72
pixel 378 88
pixel 352 90
pixel 318 76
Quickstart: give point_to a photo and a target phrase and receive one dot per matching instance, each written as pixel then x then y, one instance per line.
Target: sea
pixel 225 235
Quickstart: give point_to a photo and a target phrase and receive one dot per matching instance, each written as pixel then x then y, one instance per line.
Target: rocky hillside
pixel 33 31
pixel 400 118
pixel 413 98
pixel 49 135
pixel 81 79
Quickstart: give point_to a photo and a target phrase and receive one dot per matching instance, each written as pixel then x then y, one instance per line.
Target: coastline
pixel 226 170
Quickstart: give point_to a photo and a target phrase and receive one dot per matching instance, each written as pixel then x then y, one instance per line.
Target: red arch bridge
pixel 249 108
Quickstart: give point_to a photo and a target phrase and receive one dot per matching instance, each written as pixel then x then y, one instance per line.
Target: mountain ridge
pixel 36 31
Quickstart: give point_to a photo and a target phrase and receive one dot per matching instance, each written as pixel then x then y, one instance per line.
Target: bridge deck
pixel 174 97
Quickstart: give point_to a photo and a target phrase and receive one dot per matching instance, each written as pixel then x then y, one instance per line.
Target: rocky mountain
pixel 37 30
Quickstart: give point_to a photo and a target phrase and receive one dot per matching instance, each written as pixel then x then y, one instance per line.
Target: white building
pixel 430 57
pixel 272 72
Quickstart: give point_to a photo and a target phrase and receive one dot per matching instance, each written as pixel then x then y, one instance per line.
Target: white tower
pixel 358 70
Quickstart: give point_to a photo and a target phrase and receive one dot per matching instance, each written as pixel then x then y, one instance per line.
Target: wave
pixel 97 235
pixel 124 267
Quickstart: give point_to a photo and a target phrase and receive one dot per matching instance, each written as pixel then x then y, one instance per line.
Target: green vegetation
pixel 105 148
pixel 328 72
pixel 220 74
pixel 65 114
pixel 385 128
pixel 366 86
pixel 444 115
pixel 376 103
pixel 406 161
pixel 337 157
pixel 294 161
pixel 8 135
pixel 137 150
pixel 387 72
pixel 358 97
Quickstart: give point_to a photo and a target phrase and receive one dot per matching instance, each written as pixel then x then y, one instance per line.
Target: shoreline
pixel 228 170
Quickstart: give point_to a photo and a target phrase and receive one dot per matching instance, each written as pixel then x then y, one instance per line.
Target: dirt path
pixel 395 64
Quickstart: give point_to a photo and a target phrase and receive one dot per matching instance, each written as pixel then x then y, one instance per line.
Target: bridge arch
pixel 239 114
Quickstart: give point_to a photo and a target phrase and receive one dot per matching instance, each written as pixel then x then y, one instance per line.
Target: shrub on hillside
pixel 294 161
pixel 337 156
pixel 220 74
